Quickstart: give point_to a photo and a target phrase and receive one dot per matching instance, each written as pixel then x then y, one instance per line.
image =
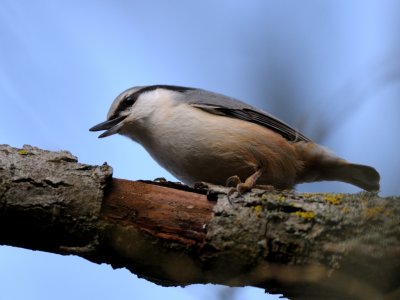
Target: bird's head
pixel 135 104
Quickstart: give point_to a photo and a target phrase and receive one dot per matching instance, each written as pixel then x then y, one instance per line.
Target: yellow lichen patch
pixel 273 197
pixel 372 212
pixel 305 214
pixel 258 209
pixel 22 152
pixel 281 198
pixel 308 195
pixel 334 199
pixel 345 209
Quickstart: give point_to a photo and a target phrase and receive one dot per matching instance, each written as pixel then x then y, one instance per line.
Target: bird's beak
pixel 111 126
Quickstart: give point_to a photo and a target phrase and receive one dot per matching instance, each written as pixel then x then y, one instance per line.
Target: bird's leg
pixel 249 183
pixel 243 187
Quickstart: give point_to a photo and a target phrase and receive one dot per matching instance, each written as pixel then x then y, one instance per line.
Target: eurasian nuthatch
pixel 200 136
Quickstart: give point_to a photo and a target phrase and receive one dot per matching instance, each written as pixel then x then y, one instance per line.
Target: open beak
pixel 111 126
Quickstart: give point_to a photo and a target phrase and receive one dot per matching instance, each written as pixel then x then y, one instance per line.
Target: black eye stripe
pixel 126 103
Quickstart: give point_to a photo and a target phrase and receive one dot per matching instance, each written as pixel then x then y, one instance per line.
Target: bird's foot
pixel 233 181
pixel 242 187
pixel 160 180
pixel 265 187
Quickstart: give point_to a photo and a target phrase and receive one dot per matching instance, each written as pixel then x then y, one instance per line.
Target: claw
pixel 233 181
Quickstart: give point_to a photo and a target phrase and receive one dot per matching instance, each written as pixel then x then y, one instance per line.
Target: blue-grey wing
pixel 230 107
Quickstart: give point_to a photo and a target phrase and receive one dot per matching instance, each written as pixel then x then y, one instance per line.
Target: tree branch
pixel 306 246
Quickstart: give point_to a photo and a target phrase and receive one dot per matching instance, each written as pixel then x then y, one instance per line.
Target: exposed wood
pixel 306 246
pixel 169 214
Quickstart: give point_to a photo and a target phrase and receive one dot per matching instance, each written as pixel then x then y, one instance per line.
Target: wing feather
pixel 230 107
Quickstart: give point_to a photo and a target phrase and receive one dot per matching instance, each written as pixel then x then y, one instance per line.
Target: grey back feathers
pixel 213 103
pixel 230 107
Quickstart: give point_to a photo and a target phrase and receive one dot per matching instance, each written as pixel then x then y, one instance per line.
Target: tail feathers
pixel 320 164
pixel 362 176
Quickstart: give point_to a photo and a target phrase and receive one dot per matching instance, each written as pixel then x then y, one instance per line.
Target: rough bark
pixel 306 246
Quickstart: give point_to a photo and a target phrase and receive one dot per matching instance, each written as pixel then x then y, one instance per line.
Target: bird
pixel 203 136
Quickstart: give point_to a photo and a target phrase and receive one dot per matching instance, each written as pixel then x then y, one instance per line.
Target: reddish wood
pixel 170 214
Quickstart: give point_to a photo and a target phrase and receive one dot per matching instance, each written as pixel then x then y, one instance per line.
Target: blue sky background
pixel 330 68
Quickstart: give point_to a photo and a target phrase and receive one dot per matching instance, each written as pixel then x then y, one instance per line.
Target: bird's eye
pixel 129 101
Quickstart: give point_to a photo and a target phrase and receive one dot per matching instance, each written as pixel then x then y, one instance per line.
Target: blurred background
pixel 329 68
